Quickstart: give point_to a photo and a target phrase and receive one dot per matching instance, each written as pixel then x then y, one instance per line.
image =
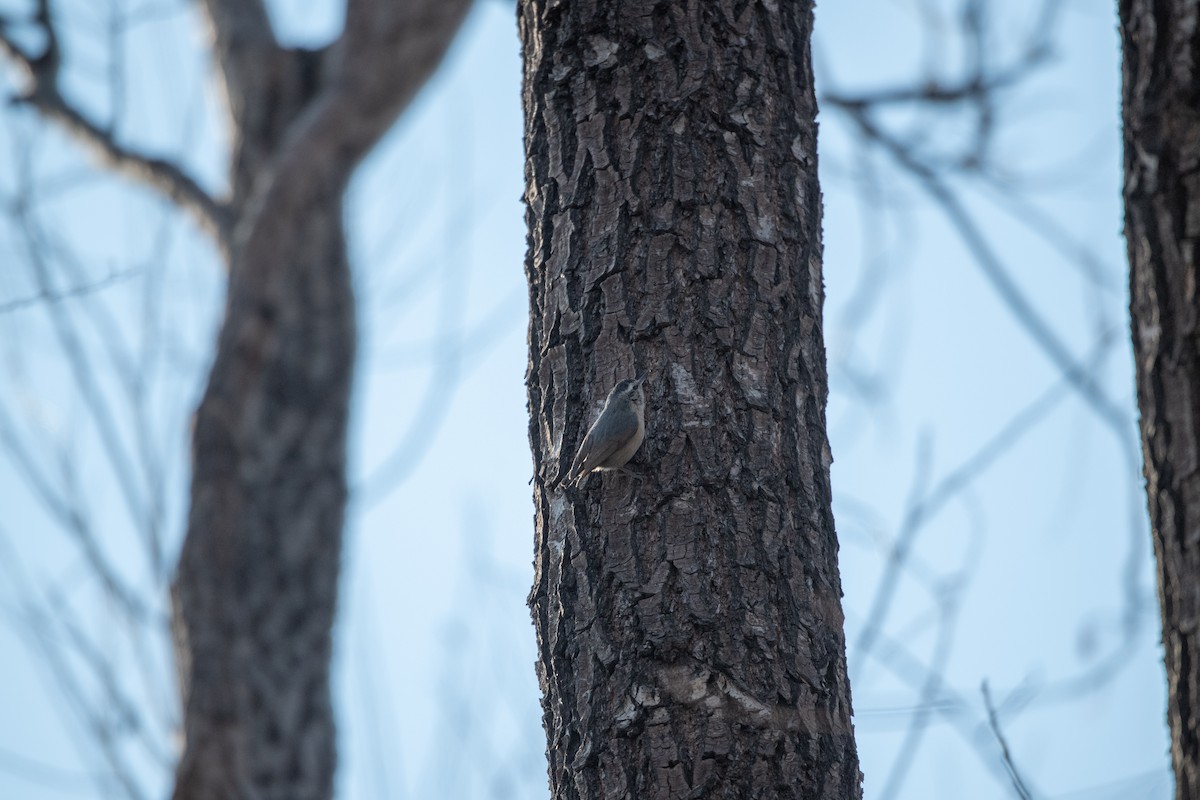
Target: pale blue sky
pixel 435 684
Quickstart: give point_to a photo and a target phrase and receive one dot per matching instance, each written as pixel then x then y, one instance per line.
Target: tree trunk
pixel 1161 40
pixel 257 580
pixel 689 619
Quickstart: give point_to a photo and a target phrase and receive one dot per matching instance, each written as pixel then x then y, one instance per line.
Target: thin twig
pixel 919 722
pixel 924 505
pixel 994 723
pixel 82 290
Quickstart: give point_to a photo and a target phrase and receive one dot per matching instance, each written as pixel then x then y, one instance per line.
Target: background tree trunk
pixel 257 581
pixel 1162 227
pixel 689 622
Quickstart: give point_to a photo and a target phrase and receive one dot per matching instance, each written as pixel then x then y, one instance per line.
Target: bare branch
pixel 39 625
pixel 995 271
pixel 242 44
pixel 386 52
pixel 98 406
pixel 994 723
pixel 929 695
pixel 42 92
pixel 400 44
pixel 950 706
pixel 924 504
pixel 932 92
pixel 82 290
pixel 42 774
pixel 67 513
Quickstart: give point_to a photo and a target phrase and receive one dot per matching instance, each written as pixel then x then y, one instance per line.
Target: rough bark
pixel 257 580
pixel 1161 114
pixel 689 620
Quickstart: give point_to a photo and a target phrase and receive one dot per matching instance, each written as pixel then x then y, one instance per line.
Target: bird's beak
pixel 639 380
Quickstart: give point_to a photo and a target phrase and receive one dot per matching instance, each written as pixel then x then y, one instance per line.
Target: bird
pixel 616 434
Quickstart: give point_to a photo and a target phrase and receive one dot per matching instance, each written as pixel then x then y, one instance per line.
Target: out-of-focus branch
pixel 97 404
pixel 979 90
pixel 937 697
pixel 948 607
pixel 41 298
pixel 932 92
pixel 37 620
pixel 407 39
pixel 950 706
pixel 67 514
pixel 39 773
pixel 243 45
pixel 996 273
pixel 42 92
pixel 265 86
pixel 386 52
pixel 925 504
pixel 994 723
pixel 1078 375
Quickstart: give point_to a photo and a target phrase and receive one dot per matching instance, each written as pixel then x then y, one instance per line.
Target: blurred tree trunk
pixel 689 621
pixel 256 585
pixel 1161 42
pixel 257 580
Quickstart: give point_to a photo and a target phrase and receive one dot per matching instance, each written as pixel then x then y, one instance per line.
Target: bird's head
pixel 630 390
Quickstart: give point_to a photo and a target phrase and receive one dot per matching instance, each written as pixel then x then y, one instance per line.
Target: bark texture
pixel 257 580
pixel 1161 41
pixel 689 621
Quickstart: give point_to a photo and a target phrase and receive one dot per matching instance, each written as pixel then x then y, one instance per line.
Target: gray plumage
pixel 616 434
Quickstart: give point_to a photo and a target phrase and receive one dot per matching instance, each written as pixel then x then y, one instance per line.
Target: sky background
pixel 1036 577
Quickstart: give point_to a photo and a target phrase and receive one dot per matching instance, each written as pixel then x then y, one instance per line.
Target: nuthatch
pixel 616 434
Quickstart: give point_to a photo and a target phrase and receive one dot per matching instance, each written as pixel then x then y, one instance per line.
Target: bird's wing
pixel 599 443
